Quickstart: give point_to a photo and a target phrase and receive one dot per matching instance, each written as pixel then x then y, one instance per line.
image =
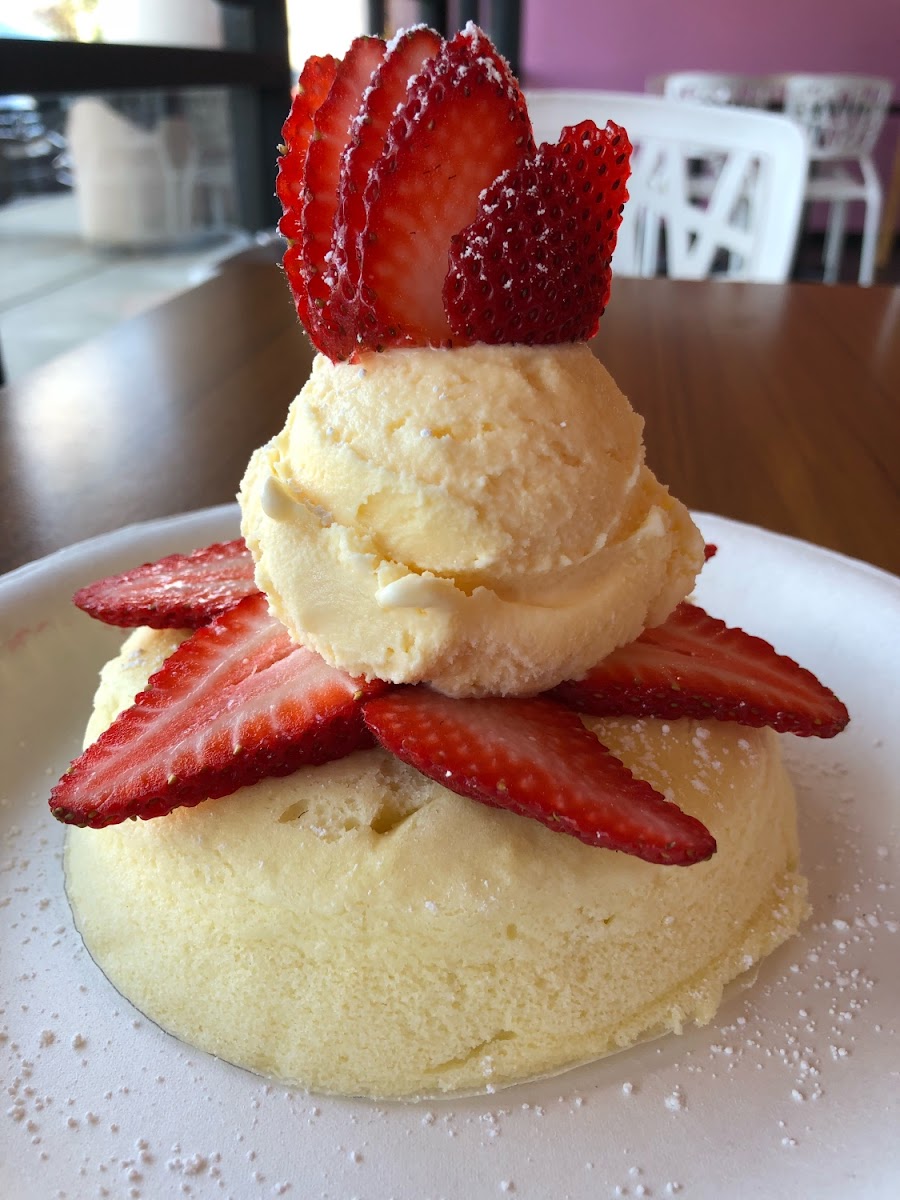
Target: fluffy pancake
pixel 357 929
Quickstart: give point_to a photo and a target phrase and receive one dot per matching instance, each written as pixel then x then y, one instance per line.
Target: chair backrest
pixel 751 210
pixel 717 87
pixel 841 114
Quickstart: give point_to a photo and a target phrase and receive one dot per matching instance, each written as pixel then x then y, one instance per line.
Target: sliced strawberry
pixel 463 123
pixel 695 666
pixel 323 163
pixel 182 591
pixel 315 81
pixel 534 264
pixel 534 758
pixel 292 262
pixel 314 84
pixel 404 60
pixel 235 703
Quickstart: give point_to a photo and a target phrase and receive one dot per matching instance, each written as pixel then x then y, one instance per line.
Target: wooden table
pixel 775 405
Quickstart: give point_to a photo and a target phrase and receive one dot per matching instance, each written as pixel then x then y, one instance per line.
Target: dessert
pixel 480 518
pixel 418 759
pixel 360 929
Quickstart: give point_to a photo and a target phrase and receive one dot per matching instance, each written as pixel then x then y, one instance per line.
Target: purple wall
pixel 617 46
pixel 588 43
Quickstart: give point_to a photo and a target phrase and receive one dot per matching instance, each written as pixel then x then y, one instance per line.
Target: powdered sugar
pixel 104 1108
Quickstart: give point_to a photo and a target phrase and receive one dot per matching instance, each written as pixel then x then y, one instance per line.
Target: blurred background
pixel 137 137
pixel 137 151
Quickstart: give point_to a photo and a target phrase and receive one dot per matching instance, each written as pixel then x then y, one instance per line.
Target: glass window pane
pixel 323 28
pixel 109 204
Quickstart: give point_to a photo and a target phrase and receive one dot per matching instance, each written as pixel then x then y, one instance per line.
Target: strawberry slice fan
pixel 396 238
pixel 238 701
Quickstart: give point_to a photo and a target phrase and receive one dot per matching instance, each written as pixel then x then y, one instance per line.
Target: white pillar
pixel 161 22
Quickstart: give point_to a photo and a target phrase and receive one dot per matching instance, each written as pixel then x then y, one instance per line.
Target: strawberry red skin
pixel 534 266
pixel 464 122
pixel 403 62
pixel 694 665
pixel 314 84
pixel 237 702
pixel 534 758
pixel 331 135
pixel 181 591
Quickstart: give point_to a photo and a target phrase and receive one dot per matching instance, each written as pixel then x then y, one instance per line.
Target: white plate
pixel 794 1090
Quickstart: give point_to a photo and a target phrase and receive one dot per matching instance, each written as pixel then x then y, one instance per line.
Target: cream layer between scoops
pixel 482 520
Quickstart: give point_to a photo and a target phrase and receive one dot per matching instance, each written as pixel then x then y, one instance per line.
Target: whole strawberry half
pixel 235 703
pixel 535 264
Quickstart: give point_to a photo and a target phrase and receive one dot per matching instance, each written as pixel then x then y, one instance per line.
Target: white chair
pixel 842 116
pixel 762 159
pixel 719 87
pixel 722 88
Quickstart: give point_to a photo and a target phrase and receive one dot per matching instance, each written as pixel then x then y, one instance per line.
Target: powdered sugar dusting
pixel 400 36
pixel 796 1074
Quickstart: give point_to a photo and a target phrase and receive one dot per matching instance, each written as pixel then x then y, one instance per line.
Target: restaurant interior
pixel 479 470
pixel 136 136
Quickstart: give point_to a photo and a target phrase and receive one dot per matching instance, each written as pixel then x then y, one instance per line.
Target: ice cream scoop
pixel 482 520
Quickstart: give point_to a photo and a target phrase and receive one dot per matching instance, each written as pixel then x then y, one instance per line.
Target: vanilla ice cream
pixel 482 519
pixel 357 928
